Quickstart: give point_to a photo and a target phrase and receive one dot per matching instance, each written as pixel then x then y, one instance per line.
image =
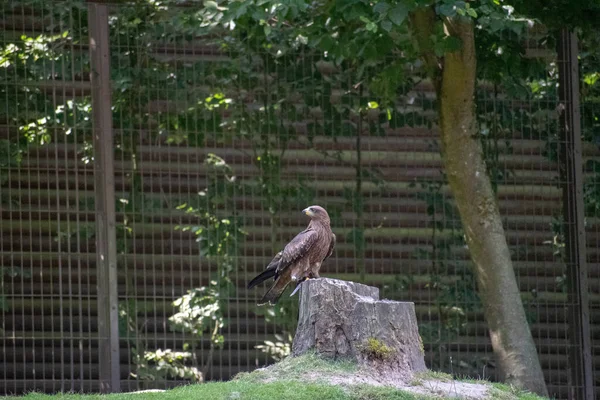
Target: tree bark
pixel 514 349
pixel 342 319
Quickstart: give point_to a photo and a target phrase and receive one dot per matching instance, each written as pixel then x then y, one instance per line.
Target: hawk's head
pixel 317 213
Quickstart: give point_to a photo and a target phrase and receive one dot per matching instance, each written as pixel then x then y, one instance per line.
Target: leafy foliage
pixel 218 229
pixel 199 313
pixel 590 114
pixel 278 349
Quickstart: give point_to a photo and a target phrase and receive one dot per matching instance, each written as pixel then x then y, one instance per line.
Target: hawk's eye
pixel 312 210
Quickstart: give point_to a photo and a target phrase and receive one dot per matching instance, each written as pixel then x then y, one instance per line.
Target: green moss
pixel 376 350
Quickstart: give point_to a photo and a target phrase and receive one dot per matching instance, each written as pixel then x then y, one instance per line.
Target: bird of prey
pixel 301 258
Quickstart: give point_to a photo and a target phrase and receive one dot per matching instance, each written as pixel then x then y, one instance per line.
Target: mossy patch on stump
pixel 375 349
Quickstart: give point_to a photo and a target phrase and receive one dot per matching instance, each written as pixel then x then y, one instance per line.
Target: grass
pixel 308 377
pixel 439 376
pixel 500 391
pixel 284 380
pixel 246 390
pixel 297 368
pixel 310 362
pixel 225 391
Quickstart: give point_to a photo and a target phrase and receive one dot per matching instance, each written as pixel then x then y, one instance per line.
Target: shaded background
pixel 218 146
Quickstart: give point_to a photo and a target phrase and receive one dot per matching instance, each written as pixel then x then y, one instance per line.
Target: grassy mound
pixel 310 377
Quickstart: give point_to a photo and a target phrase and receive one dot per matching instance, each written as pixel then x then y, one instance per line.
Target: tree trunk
pixel 341 319
pixel 462 153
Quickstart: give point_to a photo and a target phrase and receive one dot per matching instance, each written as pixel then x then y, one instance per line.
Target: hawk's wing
pixel 297 248
pixel 331 246
pixel 293 251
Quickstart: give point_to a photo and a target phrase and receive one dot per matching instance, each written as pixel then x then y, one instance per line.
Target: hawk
pixel 301 258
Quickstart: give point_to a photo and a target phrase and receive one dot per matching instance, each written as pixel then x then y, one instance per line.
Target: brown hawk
pixel 301 258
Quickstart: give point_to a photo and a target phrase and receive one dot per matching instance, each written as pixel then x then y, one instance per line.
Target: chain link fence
pixel 217 145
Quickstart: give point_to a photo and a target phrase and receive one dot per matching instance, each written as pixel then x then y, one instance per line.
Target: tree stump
pixel 346 319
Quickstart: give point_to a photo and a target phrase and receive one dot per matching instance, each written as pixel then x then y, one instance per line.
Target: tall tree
pixel 455 77
pixel 442 40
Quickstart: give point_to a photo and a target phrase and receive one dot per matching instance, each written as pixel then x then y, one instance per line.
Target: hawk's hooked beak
pixel 308 212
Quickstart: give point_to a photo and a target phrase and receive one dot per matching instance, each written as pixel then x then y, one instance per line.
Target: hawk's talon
pixel 298 286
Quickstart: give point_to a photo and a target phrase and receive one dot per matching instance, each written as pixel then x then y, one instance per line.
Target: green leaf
pixel 472 13
pixel 496 25
pixel 398 14
pixel 447 10
pixel 517 28
pixel 452 43
pixel 386 25
pixel 211 5
pixel 240 8
pixel 447 45
pixel 591 79
pixel 381 8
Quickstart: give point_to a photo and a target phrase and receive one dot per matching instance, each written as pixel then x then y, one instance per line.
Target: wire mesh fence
pixel 590 112
pixel 218 144
pixel 47 286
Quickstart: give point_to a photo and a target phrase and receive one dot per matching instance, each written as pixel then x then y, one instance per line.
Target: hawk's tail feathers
pixel 263 276
pixel 273 294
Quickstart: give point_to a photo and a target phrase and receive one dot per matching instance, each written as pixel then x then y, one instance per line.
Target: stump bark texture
pixel 347 319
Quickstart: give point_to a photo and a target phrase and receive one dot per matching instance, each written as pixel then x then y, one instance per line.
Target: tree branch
pixel 422 23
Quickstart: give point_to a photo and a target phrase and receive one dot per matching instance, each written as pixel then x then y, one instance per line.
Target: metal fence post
pixel 106 242
pixel 581 379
